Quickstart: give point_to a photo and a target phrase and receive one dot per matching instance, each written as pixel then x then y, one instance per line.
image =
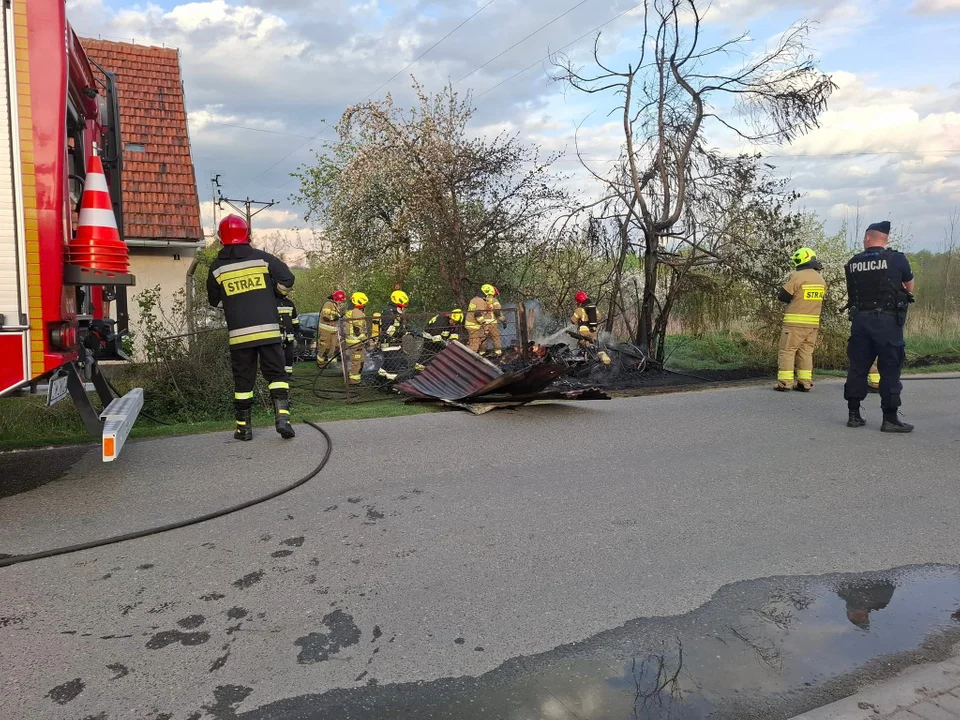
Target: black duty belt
pixel 879 311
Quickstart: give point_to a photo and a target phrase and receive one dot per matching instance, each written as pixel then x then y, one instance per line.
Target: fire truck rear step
pixel 118 419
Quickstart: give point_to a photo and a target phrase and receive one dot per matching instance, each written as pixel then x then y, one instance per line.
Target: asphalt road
pixel 445 545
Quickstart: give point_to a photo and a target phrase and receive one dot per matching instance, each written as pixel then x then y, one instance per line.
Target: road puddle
pixel 762 649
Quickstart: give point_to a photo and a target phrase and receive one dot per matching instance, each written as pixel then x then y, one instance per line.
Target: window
pixel 135 147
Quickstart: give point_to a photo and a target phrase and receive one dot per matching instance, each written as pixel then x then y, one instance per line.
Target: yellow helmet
pixel 359 299
pixel 489 290
pixel 803 256
pixel 456 315
pixel 399 298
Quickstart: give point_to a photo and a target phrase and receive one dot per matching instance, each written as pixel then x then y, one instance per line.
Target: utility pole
pixel 248 207
pixel 214 191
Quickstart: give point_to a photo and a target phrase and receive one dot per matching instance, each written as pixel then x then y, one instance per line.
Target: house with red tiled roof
pixel 161 208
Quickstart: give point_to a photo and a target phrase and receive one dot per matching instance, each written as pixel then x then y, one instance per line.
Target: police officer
pixel 880 287
pixel 247 281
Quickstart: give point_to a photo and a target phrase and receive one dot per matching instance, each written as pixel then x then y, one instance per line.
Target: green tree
pixel 414 191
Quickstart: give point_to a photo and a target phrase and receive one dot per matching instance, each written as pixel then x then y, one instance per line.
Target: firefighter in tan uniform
pixel 483 314
pixel 873 378
pixel 494 316
pixel 330 314
pixel 804 293
pixel 474 322
pixel 356 335
pixel 587 321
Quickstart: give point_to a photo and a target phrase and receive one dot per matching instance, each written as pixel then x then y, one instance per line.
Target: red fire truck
pixel 55 301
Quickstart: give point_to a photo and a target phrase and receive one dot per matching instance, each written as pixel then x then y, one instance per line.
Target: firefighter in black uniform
pixel 247 282
pixel 879 287
pixel 443 328
pixel 392 330
pixel 289 331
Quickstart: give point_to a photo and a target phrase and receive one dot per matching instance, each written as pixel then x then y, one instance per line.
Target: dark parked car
pixel 307 344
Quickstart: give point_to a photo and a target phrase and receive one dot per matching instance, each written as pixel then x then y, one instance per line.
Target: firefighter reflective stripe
pixel 285 310
pixel 243 396
pixel 800 319
pixel 282 385
pixel 288 369
pixel 814 292
pixel 326 328
pixel 356 377
pixel 805 375
pixel 254 333
pixel 242 423
pixel 238 269
pixel 387 348
pixel 785 375
pixel 283 412
pixel 873 378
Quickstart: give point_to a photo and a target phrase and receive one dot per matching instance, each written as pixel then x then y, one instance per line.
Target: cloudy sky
pixel 261 78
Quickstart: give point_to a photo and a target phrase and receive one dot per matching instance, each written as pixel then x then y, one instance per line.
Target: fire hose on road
pixel 18 559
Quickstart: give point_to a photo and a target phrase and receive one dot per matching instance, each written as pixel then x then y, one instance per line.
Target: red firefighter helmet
pixel 338 296
pixel 581 297
pixel 234 231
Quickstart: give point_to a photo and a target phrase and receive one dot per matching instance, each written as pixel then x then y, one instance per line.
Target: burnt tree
pixel 668 99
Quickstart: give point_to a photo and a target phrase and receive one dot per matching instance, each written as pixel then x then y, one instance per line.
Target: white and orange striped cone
pixel 98 245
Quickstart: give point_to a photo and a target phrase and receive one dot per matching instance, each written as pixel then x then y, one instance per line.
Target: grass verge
pixel 26 422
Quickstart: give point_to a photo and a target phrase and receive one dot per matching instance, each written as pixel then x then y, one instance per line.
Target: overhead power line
pixel 858 153
pixel 480 95
pixel 501 54
pixel 521 41
pixel 546 57
pixel 323 129
pixel 416 59
pixel 254 129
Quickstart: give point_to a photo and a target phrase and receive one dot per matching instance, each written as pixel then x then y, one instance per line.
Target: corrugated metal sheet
pixel 458 374
pixel 454 374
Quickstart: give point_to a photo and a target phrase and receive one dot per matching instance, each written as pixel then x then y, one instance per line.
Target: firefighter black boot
pixel 244 429
pixel 282 409
pixel 855 419
pixel 893 424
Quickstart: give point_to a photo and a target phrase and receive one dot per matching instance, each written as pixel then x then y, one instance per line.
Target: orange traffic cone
pixel 98 245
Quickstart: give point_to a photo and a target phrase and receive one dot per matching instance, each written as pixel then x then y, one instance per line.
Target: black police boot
pixel 282 419
pixel 893 424
pixel 244 429
pixel 855 419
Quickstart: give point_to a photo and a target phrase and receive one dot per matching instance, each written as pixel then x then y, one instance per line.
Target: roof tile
pixel 160 198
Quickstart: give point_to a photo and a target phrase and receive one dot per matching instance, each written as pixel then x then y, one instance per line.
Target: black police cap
pixel 881 227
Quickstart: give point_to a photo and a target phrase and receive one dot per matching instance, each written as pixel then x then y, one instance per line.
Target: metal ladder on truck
pixel 112 424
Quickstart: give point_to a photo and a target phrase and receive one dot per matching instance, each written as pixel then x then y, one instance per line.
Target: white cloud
pixel 282 66
pixel 934 7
